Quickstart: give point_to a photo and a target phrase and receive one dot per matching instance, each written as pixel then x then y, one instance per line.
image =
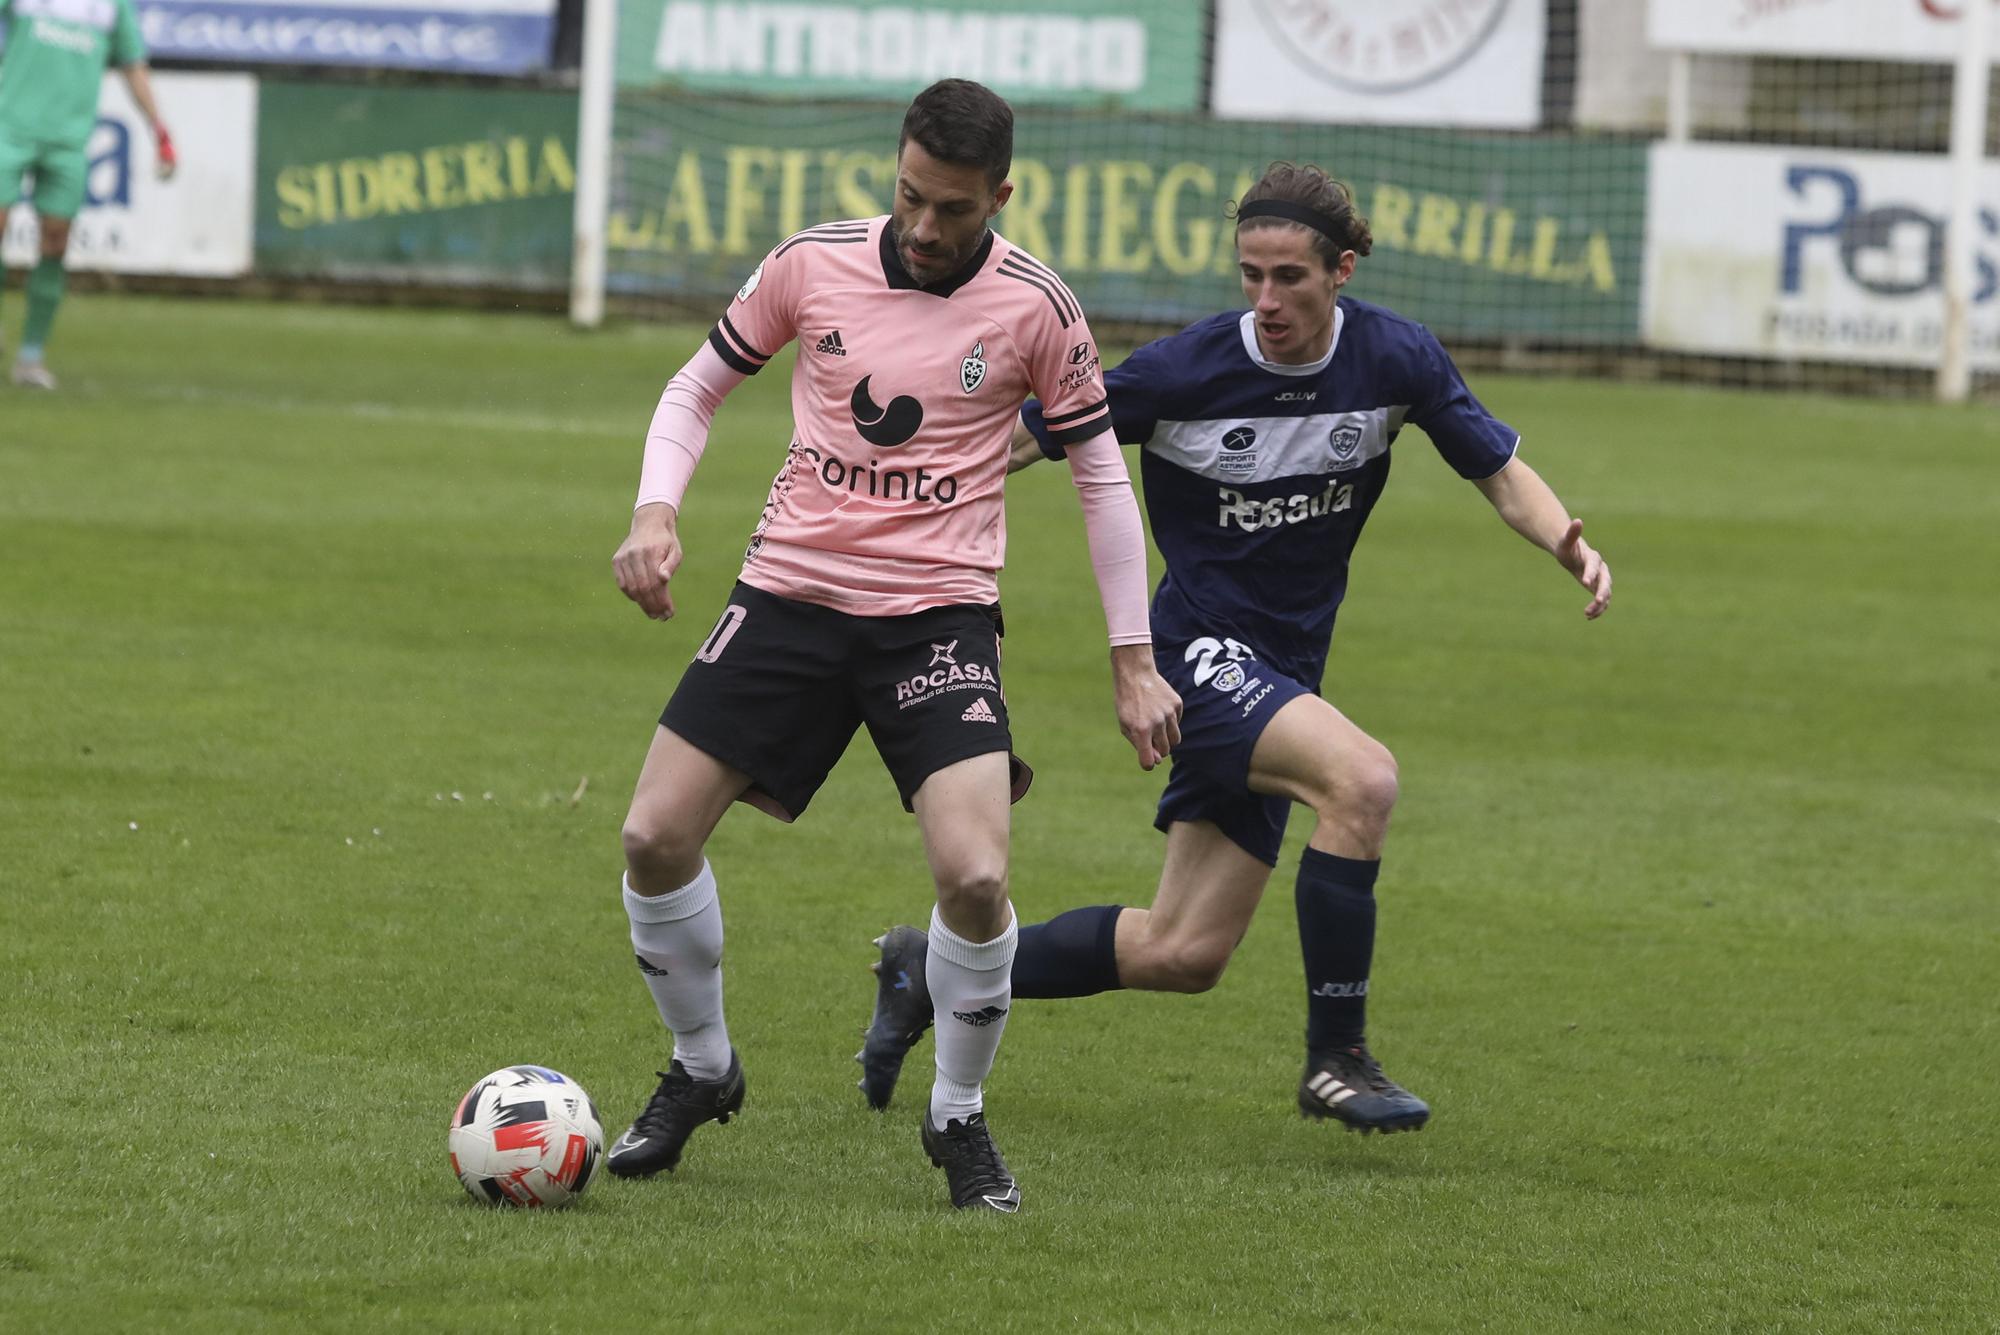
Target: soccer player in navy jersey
pixel 1265 438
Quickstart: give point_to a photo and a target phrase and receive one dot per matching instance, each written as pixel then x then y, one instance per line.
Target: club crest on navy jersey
pixel 1346 440
pixel 972 371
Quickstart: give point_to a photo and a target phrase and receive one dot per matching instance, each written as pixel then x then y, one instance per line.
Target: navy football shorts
pixel 779 687
pixel 1228 697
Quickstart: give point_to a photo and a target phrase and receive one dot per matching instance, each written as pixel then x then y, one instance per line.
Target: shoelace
pixel 1362 1063
pixel 666 1101
pixel 980 1150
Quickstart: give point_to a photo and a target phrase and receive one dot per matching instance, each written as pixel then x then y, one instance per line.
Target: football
pixel 526 1136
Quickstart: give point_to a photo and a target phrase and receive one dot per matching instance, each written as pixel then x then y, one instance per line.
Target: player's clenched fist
pixel 1149 711
pixel 647 559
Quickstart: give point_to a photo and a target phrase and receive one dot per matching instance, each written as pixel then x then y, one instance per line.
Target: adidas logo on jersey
pixel 981 712
pixel 831 345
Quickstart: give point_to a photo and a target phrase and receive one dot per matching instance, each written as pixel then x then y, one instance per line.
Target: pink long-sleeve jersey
pixel 904 400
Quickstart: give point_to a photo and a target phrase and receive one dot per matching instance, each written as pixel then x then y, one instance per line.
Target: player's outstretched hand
pixel 165 159
pixel 1149 712
pixel 1581 559
pixel 647 559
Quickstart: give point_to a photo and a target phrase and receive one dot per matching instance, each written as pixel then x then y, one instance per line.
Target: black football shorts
pixel 778 688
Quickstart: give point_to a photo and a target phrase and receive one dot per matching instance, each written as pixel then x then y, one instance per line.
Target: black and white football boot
pixel 972 1165
pixel 678 1106
pixel 902 1012
pixel 1347 1085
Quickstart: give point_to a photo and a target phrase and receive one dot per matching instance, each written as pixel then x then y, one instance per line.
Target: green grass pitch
pixel 318 714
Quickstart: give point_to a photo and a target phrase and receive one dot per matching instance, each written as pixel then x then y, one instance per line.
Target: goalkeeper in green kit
pixel 50 70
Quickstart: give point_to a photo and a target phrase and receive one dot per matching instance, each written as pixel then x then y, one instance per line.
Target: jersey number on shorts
pixel 718 639
pixel 1204 652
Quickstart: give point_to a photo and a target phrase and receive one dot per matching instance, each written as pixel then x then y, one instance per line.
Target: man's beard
pixel 940 264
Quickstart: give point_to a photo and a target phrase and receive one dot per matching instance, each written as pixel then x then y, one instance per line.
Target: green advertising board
pixel 436 185
pixel 1489 236
pixel 1144 55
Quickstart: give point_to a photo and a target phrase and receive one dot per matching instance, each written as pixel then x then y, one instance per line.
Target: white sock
pixel 678 939
pixel 975 980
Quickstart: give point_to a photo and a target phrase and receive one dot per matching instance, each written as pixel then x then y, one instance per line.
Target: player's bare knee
pixel 54 238
pixel 1361 791
pixel 1377 784
pixel 659 854
pixel 1192 966
pixel 975 892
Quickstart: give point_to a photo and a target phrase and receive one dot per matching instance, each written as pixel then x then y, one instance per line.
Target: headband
pixel 1298 213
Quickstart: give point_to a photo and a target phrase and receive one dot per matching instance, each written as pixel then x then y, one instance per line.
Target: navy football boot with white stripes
pixel 902 1012
pixel 1347 1085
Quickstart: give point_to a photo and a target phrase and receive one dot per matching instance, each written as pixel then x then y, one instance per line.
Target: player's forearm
pixel 1116 537
pixel 679 431
pixel 1527 504
pixel 1130 663
pixel 1025 449
pixel 140 81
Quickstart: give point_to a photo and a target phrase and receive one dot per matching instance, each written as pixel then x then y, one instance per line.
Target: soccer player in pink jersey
pixel 869 595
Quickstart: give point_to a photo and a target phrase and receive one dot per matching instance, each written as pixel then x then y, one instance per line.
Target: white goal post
pixel 595 100
pixel 1970 85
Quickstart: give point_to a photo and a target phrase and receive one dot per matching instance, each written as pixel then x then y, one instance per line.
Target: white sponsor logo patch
pixel 922 686
pixel 1251 514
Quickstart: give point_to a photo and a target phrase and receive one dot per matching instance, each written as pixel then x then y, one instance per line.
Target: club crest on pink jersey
pixel 972 371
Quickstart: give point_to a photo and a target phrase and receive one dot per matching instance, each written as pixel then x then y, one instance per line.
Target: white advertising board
pixel 201 222
pixel 1824 256
pixel 1919 30
pixel 1420 62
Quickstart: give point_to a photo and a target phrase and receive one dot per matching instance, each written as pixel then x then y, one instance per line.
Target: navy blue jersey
pixel 1259 476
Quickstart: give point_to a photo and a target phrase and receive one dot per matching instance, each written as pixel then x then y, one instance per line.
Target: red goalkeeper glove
pixel 165 157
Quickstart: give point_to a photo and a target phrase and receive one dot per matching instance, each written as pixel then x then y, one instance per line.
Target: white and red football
pixel 526 1136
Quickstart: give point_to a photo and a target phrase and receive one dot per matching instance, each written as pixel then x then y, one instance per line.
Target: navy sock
pixel 1336 904
pixel 1073 954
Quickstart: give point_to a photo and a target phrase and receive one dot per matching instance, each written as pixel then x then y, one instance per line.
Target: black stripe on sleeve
pixel 1082 431
pixel 742 343
pixel 1036 266
pixel 1025 276
pixel 829 236
pixel 1064 419
pixel 729 355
